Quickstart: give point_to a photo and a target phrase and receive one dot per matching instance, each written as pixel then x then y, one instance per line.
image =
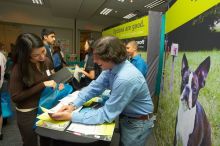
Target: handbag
pixel 50 97
pixel 6 105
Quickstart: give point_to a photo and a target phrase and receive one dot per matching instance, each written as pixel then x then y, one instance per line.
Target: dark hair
pixel 25 43
pixel 110 48
pixel 56 48
pixel 46 32
pixel 9 55
pixel 91 43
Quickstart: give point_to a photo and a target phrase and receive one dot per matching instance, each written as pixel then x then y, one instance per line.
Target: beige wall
pixel 9 33
pixel 41 17
pixel 61 33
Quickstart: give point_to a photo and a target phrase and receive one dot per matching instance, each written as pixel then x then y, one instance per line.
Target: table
pixel 64 138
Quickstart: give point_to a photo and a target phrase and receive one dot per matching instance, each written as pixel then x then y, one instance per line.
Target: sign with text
pixel 136 28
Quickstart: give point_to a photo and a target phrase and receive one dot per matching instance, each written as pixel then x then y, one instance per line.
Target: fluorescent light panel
pixel 105 11
pixel 157 4
pixel 154 3
pixel 129 16
pixel 121 1
pixel 39 2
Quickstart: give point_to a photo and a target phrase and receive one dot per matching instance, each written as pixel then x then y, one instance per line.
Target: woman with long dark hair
pixel 91 70
pixel 28 78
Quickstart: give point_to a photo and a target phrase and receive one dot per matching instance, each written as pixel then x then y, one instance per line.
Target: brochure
pixel 46 122
pixel 77 74
pixel 102 129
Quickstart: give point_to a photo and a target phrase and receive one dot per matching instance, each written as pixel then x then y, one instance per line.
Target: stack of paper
pixel 102 129
pixel 46 122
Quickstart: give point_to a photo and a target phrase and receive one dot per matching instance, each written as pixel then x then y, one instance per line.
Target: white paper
pixel 98 129
pixel 82 128
pixel 65 101
pixel 69 98
pixel 77 73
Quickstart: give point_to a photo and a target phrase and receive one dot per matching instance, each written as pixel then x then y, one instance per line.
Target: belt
pixel 25 110
pixel 142 117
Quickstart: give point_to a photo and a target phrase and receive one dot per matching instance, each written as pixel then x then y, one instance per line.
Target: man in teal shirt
pixel 129 97
pixel 136 60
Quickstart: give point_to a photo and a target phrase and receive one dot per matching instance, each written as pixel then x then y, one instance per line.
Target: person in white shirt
pixel 2 72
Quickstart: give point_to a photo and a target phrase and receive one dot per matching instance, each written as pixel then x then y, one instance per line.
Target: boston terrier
pixel 192 126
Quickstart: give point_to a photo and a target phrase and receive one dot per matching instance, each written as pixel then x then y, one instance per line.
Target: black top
pixel 49 55
pixel 89 65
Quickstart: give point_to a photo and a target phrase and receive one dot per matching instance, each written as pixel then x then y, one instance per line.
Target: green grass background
pixel 209 97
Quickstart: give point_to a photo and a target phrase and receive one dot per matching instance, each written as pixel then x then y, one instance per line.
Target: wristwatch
pixel 72 104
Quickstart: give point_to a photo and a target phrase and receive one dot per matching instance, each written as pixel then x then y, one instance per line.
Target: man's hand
pixel 64 113
pixel 67 108
pixel 67 116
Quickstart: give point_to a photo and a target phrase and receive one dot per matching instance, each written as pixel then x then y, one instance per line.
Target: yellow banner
pixel 136 28
pixel 185 10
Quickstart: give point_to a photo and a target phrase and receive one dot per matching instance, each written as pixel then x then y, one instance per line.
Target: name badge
pixel 48 72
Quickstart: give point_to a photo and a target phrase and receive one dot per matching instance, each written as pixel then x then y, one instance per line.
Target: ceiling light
pixel 38 2
pixel 121 1
pixel 154 3
pixel 129 16
pixel 105 11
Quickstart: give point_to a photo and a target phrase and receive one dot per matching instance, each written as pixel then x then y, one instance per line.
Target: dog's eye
pixel 185 82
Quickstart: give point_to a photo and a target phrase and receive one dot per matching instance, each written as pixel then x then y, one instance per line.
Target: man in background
pixel 48 37
pixel 136 60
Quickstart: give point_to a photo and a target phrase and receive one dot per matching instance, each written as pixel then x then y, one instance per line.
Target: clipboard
pixel 62 76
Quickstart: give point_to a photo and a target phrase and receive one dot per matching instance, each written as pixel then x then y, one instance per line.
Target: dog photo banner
pixel 194 104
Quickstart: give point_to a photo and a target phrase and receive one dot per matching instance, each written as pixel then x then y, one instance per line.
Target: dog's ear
pixel 202 71
pixel 184 64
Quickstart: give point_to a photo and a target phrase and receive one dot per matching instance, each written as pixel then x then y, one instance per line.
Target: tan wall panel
pixel 9 34
pixel 2 34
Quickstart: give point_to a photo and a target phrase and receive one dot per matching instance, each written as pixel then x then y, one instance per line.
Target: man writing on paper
pixel 129 98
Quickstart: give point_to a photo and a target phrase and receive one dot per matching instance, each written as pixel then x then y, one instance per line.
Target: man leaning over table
pixel 129 98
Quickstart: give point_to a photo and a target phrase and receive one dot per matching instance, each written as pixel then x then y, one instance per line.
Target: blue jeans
pixel 134 132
